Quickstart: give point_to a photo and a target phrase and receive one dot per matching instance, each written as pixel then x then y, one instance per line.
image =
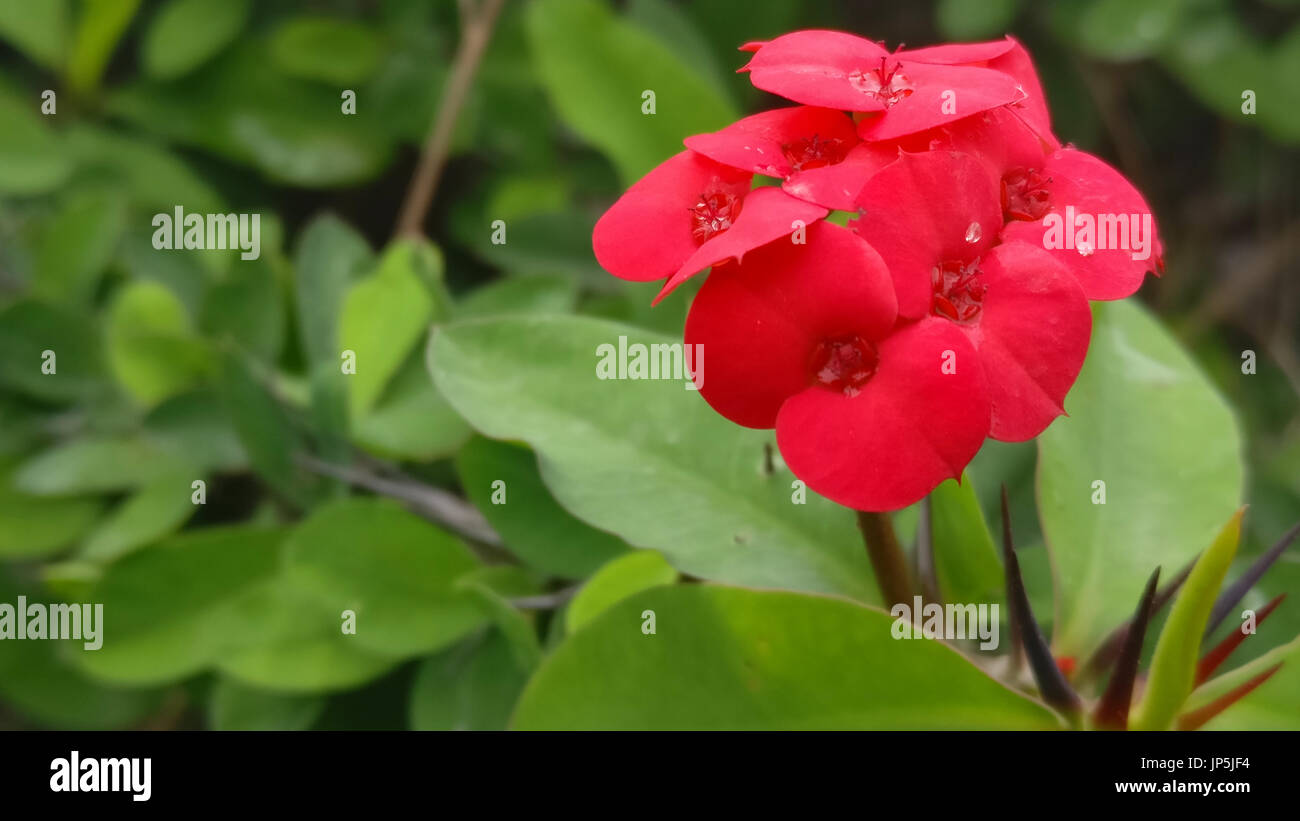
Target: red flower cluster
pixel 952 308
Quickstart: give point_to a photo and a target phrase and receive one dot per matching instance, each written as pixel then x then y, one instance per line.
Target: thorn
pixel 1199 718
pixel 1053 687
pixel 1211 661
pixel 1233 593
pixel 1112 711
pixel 1109 650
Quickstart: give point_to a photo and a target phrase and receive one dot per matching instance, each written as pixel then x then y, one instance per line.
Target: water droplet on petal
pixel 1085 249
pixel 973 233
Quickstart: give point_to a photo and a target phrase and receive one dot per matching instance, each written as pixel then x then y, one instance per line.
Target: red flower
pixel 803 338
pixel 1026 317
pixel 841 71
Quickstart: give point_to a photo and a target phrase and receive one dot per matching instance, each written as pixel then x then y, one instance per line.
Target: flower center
pixel 714 212
pixel 813 152
pixel 844 364
pixel 958 292
pixel 1025 195
pixel 884 84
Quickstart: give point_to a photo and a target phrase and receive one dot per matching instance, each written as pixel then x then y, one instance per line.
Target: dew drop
pixel 1085 249
pixel 973 233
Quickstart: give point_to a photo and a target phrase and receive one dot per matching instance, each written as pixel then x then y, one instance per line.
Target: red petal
pixel 1007 56
pixel 941 94
pixel 1032 335
pixel 956 54
pixel 909 428
pixel 760 322
pixel 813 67
pixel 1033 108
pixel 998 136
pixel 769 214
pixel 918 212
pixel 765 142
pixel 1093 188
pixel 837 186
pixel 752 46
pixel 648 232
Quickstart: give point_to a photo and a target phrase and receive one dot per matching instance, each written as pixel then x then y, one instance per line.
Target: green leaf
pixel 99 464
pixel 33 158
pixel 291 642
pixel 153 177
pixel 100 26
pixel 1129 29
pixel 74 246
pixel 326 49
pixel 965 557
pixel 291 130
pixel 384 317
pixel 975 19
pixel 155 511
pixel 171 610
pixel 152 348
pixel 39 30
pixel 38 682
pixel 729 658
pixel 542 294
pixel 491 587
pixel 1173 666
pixel 595 68
pixel 331 254
pixel 412 421
pixel 394 570
pixel 1137 405
pixel 234 706
pixel 1270 707
pixel 531 523
pixel 473 686
pixel 264 429
pixel 28 328
pixel 620 578
pixel 646 460
pixel 185 33
pixel 246 308
pixel 33 526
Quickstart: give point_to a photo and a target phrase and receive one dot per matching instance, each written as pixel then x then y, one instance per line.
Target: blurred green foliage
pixel 177 366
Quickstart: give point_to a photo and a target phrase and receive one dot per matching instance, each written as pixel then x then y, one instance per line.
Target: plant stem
pixel 887 557
pixel 477 20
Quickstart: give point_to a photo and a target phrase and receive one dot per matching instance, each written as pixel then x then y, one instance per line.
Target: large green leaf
pixel 33 159
pixel 27 330
pixel 1144 420
pixel 395 571
pixel 99 27
pixel 156 510
pixel 33 526
pixel 531 523
pixel 595 68
pixel 729 658
pixel 646 459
